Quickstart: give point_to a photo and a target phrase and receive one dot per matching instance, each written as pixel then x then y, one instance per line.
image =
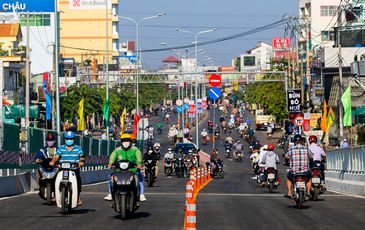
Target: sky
pixel 228 17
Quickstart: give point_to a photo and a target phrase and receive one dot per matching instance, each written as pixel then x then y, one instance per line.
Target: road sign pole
pixel 213 138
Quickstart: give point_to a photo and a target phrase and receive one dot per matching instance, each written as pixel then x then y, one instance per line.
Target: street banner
pixel 294 99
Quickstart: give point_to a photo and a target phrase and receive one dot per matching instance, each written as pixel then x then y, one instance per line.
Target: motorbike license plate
pixel 300 184
pixel 316 180
pixel 271 176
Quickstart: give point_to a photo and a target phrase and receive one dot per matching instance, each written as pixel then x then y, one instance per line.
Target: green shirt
pixel 159 125
pixel 132 154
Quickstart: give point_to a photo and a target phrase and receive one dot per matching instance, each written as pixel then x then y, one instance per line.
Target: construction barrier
pixel 199 178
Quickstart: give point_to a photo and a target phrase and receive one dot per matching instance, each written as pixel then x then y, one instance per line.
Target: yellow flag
pixel 330 119
pixel 80 111
pixel 122 121
pixel 324 117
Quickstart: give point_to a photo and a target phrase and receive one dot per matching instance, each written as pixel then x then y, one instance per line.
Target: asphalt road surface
pixel 235 202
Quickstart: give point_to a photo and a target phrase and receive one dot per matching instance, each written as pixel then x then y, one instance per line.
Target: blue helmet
pixel 69 135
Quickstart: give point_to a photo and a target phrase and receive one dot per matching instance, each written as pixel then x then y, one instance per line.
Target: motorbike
pixel 189 164
pixel 271 180
pixel 217 135
pixel 124 189
pixel 149 167
pixel 260 174
pixel 205 140
pixel 66 191
pixel 316 182
pixel 47 183
pixel 239 156
pixel 224 129
pixel 180 166
pixel 227 152
pixel 299 190
pixel 168 164
pixel 218 170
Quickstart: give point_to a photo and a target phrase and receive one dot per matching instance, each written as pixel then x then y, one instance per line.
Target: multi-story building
pixel 83 29
pixel 263 53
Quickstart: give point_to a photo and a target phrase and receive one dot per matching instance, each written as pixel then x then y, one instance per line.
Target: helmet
pixel 312 139
pixel 265 147
pixel 50 137
pixel 190 151
pixel 204 130
pixel 126 137
pixel 345 140
pixel 270 147
pixel 170 150
pixel 297 138
pixel 238 141
pixel 69 135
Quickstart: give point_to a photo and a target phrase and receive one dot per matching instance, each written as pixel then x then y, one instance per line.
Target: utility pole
pixel 340 64
pixel 309 48
pixel 57 73
pixel 27 85
pixel 1 104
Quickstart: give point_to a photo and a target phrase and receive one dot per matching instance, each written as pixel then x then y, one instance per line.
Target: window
pixel 327 36
pixel 36 20
pixel 328 11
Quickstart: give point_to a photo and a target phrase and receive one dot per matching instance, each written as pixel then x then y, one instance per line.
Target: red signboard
pixel 226 69
pixel 280 43
pixel 215 80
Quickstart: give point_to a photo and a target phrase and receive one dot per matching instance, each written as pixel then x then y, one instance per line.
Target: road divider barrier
pixel 199 178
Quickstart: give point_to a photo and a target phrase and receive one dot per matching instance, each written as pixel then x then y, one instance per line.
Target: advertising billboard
pixel 28 5
pixel 280 43
pixel 89 4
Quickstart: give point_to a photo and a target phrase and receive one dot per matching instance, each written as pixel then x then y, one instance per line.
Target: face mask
pixel 50 143
pixel 69 142
pixel 126 145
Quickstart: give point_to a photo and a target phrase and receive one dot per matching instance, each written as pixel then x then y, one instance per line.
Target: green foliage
pixel 269 95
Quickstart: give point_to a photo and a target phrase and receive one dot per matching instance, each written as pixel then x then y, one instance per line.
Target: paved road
pixel 235 202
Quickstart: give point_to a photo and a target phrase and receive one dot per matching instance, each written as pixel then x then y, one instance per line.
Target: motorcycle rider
pixel 270 159
pixel 71 153
pixel 45 154
pixel 319 155
pixel 238 147
pixel 229 140
pixel 213 160
pixel 298 157
pixel 131 153
pixel 159 127
pixel 210 126
pixel 170 156
pixel 151 155
pixel 204 135
pixel 221 119
pixel 157 150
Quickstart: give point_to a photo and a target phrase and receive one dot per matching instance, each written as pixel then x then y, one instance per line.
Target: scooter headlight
pixel 123 165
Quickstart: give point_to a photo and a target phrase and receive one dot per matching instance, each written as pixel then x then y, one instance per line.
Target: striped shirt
pixel 299 158
pixel 72 156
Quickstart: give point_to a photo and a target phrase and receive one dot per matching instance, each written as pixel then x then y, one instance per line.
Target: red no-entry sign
pixel 215 80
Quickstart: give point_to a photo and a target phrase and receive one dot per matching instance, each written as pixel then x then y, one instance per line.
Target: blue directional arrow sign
pixel 215 93
pixel 179 109
pixel 186 106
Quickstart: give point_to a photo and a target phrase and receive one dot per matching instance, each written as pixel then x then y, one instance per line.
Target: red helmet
pixel 270 147
pixel 312 139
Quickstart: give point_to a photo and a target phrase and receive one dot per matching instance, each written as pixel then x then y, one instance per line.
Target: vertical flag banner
pixel 106 111
pixel 122 121
pixel 80 111
pixel 48 99
pixel 346 101
pixel 135 125
pixel 330 119
pixel 324 117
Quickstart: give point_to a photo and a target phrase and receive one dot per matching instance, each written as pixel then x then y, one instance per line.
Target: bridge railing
pixel 350 160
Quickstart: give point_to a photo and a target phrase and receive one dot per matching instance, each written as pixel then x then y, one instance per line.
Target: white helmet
pixel 265 147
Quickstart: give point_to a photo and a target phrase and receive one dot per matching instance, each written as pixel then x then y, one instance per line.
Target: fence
pixel 11 137
pixel 351 160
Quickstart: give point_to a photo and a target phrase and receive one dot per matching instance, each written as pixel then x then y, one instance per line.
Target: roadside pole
pixel 1 104
pixel 213 138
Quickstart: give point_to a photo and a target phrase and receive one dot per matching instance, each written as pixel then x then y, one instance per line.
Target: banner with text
pixel 294 100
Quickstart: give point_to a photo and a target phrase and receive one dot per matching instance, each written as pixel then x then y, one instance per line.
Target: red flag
pixel 45 78
pixel 135 125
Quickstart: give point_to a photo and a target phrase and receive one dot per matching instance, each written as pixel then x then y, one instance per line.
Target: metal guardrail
pixel 350 160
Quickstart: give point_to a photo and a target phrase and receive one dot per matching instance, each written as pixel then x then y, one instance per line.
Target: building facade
pixel 83 29
pixel 263 53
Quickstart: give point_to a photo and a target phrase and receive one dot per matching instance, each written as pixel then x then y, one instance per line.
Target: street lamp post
pixel 137 49
pixel 196 77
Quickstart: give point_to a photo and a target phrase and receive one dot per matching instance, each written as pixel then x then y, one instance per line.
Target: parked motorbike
pixel 299 190
pixel 149 167
pixel 47 183
pixel 124 189
pixel 66 187
pixel 168 164
pixel 271 179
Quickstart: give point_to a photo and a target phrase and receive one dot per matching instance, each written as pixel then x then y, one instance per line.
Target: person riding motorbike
pixel 159 127
pixel 204 135
pixel 210 126
pixel 44 155
pixel 151 154
pixel 270 159
pixel 319 155
pixel 170 156
pixel 299 157
pixel 238 147
pixel 229 140
pixel 254 157
pixel 71 153
pixel 213 160
pixel 131 153
pixel 221 119
pixel 167 118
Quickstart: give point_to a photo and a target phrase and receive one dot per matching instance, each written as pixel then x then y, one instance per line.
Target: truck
pixel 262 121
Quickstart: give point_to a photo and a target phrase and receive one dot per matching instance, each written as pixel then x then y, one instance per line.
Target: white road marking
pixel 346 194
